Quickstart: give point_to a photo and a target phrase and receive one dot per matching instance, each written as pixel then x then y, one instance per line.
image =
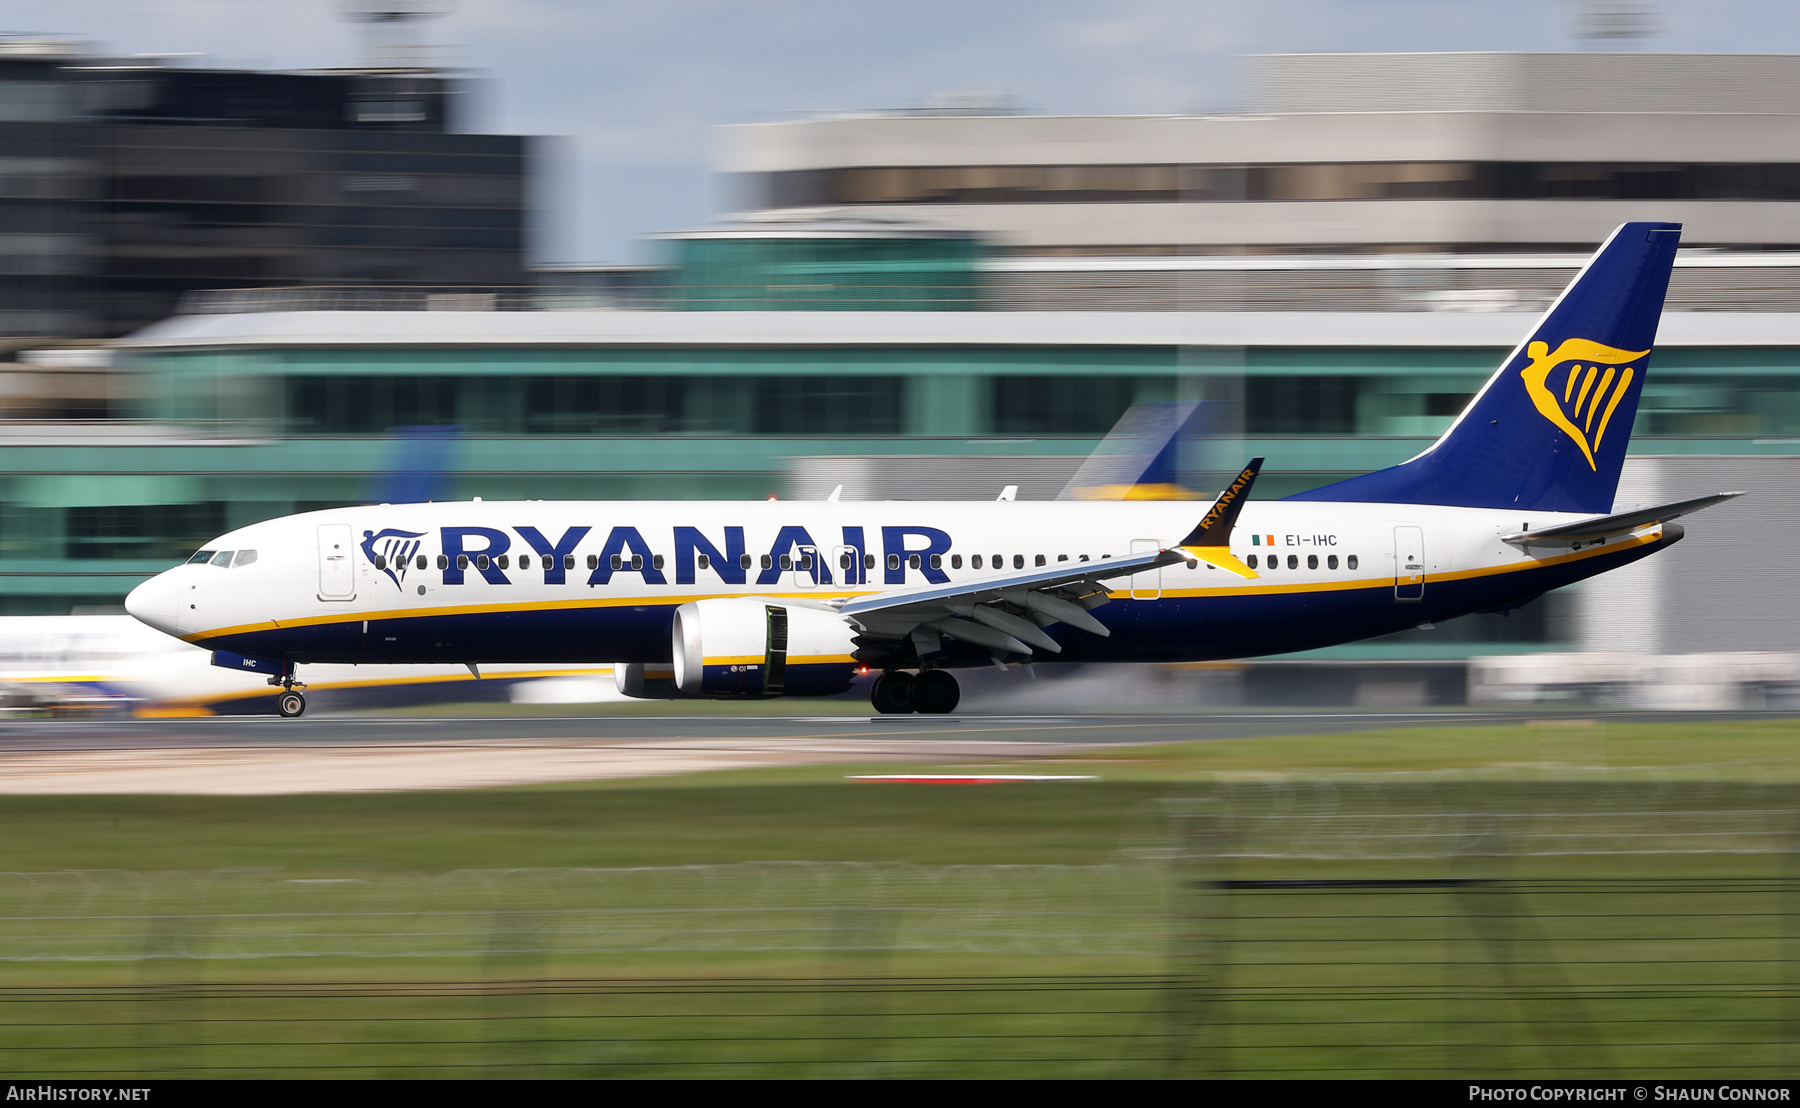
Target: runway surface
pixel 263 756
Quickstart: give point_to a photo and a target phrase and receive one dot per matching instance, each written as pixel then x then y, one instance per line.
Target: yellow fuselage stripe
pixel 1262 588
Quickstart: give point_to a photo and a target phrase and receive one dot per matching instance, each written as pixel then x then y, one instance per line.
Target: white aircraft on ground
pixel 115 665
pixel 760 599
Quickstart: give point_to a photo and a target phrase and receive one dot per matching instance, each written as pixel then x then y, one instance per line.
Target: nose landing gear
pixel 290 703
pixel 934 692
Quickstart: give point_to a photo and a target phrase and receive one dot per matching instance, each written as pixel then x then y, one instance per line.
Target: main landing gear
pixel 934 692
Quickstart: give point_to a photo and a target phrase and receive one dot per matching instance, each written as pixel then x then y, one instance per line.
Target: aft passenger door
pixel 1409 564
pixel 337 570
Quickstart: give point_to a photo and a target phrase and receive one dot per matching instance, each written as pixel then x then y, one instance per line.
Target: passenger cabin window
pixel 704 561
pixel 1350 561
pixel 1293 561
pixel 200 558
pixel 1018 561
pixel 937 561
pixel 1084 557
pixel 1062 557
pixel 504 560
pixel 767 561
pixel 913 562
pixel 743 561
pixel 568 561
pixel 1250 561
pixel 868 561
pixel 482 561
pixel 462 561
pixel 223 558
pixel 593 561
pixel 637 561
pixel 381 561
pixel 656 562
pixel 421 563
pixel 1331 561
pixel 975 561
pixel 444 561
pixel 843 560
pixel 956 561
pixel 893 561
pixel 1312 561
pixel 244 558
pixel 1040 560
pixel 787 562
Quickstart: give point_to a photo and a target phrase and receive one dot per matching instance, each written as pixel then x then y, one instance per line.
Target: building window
pixel 1074 404
pixel 1322 405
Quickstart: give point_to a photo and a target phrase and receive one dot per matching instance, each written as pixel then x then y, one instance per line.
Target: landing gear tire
pixel 892 694
pixel 935 693
pixel 290 704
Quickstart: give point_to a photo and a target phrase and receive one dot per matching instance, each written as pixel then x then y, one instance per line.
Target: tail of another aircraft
pixel 1548 430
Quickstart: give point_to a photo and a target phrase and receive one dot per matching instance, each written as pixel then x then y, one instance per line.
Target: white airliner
pixel 761 599
pixel 114 665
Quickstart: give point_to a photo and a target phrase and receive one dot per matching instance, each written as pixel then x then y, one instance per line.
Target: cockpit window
pixel 244 558
pixel 223 558
pixel 200 558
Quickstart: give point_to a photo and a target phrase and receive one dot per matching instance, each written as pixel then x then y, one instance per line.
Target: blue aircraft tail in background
pixel 1140 458
pixel 417 466
pixel 1548 431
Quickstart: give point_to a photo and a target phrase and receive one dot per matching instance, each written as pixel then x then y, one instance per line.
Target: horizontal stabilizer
pixel 1600 527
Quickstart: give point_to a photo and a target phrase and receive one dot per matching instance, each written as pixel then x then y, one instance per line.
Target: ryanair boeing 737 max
pixel 761 599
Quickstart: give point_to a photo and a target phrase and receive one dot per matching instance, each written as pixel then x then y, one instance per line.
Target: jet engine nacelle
pixel 746 647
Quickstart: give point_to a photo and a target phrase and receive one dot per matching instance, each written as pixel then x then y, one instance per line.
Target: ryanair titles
pixel 501 555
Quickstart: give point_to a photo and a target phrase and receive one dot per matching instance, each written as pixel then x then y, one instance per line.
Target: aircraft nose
pixel 153 602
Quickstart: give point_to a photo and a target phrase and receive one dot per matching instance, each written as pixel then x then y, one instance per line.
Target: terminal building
pixel 915 306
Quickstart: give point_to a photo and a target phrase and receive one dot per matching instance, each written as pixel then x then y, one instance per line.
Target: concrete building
pixel 1365 153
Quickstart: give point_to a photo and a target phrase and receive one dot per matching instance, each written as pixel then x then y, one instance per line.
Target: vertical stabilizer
pixel 1548 430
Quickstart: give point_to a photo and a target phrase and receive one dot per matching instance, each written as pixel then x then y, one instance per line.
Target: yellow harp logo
pixel 1580 401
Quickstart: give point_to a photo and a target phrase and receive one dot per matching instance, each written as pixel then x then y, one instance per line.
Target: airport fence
pixel 1398 927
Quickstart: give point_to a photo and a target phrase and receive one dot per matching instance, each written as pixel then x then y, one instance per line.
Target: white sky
pixel 636 86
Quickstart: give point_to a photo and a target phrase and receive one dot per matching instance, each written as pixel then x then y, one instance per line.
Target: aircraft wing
pixel 1007 612
pixel 1584 531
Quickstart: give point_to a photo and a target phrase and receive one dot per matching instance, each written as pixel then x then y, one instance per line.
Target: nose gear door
pixel 337 573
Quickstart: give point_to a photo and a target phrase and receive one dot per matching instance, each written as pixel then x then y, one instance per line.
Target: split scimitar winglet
pixel 1210 540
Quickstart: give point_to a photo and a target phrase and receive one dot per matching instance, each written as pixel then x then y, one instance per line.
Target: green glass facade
pixel 774 272
pixel 259 431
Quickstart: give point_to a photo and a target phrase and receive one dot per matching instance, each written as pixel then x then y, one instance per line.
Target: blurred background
pixel 718 252
pixel 258 258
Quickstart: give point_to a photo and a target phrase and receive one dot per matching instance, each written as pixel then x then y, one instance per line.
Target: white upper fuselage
pixel 398 565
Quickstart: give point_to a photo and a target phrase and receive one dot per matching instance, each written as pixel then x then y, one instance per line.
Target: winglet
pixel 1210 540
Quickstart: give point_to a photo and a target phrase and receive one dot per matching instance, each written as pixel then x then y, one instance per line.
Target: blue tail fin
pixel 1548 430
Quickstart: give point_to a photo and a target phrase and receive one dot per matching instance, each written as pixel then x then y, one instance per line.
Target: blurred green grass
pixel 1348 984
